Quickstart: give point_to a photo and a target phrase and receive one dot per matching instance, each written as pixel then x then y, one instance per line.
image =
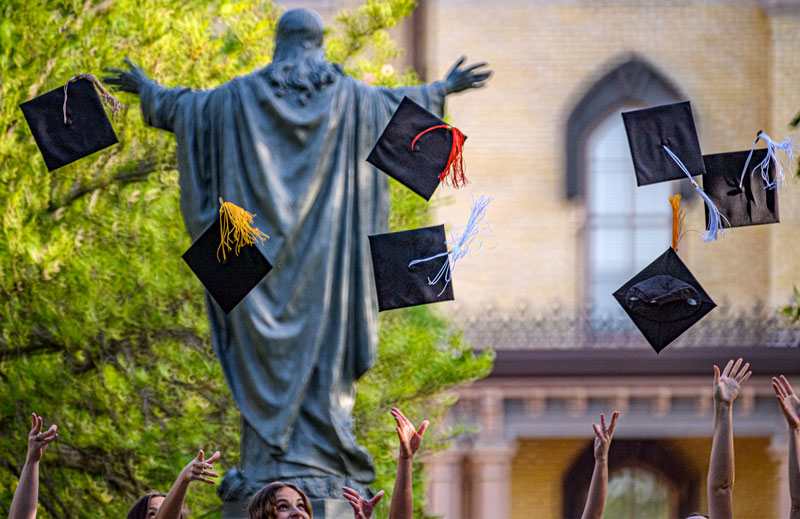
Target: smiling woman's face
pixel 154 505
pixel 290 504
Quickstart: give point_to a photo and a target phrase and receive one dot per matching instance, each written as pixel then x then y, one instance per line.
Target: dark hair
pixel 263 505
pixel 139 508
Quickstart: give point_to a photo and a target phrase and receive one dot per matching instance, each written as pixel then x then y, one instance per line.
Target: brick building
pixel 546 140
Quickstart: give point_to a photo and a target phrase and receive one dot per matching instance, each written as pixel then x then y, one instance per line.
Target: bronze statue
pixel 288 142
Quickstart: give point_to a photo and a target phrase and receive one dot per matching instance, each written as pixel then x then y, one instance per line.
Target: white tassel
pixel 715 218
pixel 788 149
pixel 465 239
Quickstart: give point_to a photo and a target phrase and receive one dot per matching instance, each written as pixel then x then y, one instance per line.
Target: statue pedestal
pixel 323 509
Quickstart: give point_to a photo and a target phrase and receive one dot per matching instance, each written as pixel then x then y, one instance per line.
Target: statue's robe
pixel 293 348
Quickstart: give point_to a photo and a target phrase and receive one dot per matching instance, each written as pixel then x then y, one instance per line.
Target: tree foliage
pixel 102 327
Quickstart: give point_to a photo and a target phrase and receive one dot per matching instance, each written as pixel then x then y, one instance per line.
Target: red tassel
pixel 455 162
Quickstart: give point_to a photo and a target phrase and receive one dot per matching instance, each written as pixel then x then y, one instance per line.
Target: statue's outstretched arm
pixel 459 79
pixel 127 80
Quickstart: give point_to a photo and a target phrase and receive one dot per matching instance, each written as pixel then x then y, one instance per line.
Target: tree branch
pixel 140 172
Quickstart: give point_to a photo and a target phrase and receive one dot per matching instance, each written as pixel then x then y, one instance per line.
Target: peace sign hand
pixel 603 435
pixel 38 440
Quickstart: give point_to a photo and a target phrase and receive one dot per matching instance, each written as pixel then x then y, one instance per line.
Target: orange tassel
pixel 678 216
pixel 455 162
pixel 236 229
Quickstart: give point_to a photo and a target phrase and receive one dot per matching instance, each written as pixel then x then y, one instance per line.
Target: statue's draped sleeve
pixel 292 349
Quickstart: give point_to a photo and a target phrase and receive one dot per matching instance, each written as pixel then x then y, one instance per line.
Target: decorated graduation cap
pixel 69 123
pixel 664 146
pixel 779 157
pixel 420 150
pixel 225 256
pixel 415 267
pixel 664 299
pixel 742 199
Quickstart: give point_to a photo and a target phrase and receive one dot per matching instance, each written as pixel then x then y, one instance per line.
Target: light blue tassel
pixel 465 240
pixel 715 218
pixel 788 148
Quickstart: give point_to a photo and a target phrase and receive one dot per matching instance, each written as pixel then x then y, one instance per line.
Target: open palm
pixel 790 403
pixel 728 383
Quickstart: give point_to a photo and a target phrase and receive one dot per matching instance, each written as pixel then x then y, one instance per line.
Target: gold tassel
pixel 236 229
pixel 678 216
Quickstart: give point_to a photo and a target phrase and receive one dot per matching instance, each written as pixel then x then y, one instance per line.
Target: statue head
pixel 298 29
pixel 299 67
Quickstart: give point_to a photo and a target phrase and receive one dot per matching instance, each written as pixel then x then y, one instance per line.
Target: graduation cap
pixel 741 198
pixel 69 123
pixel 664 146
pixel 399 282
pixel 415 267
pixel 664 300
pixel 226 259
pixel 420 150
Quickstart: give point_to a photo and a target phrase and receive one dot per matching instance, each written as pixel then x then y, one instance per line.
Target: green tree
pixel 102 326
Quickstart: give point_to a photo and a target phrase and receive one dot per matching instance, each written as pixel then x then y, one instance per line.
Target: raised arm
pixel 720 467
pixel 790 404
pixel 596 500
pixel 26 496
pixel 199 469
pixel 402 506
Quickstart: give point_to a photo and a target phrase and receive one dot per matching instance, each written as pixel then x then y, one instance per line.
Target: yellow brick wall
pixel 545 56
pixel 538 470
pixel 537 473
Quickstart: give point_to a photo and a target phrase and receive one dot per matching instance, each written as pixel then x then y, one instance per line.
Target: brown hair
pixel 264 504
pixel 139 508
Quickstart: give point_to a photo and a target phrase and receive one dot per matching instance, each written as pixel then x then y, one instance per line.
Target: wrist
pixel 723 405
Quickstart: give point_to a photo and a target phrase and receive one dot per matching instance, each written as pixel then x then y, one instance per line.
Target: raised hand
pixel 461 79
pixel 410 438
pixel 199 469
pixel 126 80
pixel 38 440
pixel 362 508
pixel 728 383
pixel 790 403
pixel 603 435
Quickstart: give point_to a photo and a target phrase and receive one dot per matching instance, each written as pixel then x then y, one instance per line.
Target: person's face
pixel 290 504
pixel 153 506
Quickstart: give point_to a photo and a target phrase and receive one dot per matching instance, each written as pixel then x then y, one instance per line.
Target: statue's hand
pixel 127 80
pixel 462 79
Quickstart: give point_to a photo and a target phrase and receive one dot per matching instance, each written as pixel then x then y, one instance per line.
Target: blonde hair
pixel 264 504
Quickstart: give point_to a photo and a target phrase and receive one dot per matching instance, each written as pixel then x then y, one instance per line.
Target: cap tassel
pixel 453 173
pixel 678 216
pixel 105 96
pixel 236 229
pixel 788 148
pixel 466 239
pixel 715 218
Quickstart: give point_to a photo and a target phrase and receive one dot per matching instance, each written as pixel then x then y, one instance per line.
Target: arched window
pixel 646 479
pixel 627 227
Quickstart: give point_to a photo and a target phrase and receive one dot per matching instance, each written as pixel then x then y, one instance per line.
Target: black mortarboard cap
pixel 400 285
pixel 418 169
pixel 86 131
pixel 664 300
pixel 651 129
pixel 230 280
pixel 750 204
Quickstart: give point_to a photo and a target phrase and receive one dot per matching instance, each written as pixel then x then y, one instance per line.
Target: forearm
pixel 596 500
pixel 720 468
pixel 402 497
pixel 173 504
pixel 794 472
pixel 26 497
